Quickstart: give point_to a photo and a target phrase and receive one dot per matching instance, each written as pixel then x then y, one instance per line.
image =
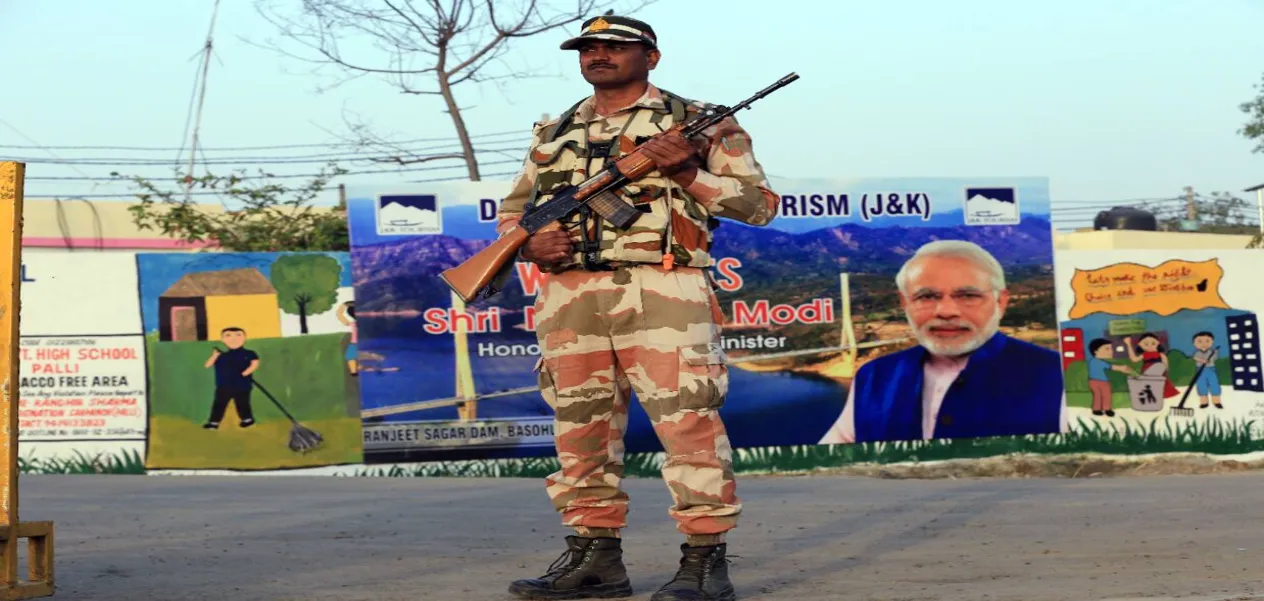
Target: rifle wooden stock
pixel 468 278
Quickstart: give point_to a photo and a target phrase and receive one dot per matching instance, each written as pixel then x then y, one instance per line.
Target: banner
pixel 807 301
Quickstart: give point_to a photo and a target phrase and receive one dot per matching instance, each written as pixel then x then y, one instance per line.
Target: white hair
pixel 960 249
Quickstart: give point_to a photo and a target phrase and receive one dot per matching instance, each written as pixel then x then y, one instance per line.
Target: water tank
pixel 1126 218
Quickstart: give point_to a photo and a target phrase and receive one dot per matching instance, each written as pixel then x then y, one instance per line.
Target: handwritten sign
pixel 82 388
pixel 1126 327
pixel 1131 288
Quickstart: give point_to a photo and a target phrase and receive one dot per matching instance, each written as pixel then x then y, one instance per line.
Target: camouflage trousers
pixel 656 331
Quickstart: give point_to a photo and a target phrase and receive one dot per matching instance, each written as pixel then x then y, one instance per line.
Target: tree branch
pixel 450 43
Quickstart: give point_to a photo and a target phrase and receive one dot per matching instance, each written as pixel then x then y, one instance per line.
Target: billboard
pixel 810 310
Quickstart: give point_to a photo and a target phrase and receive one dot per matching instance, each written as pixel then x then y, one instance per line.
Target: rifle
pixel 472 279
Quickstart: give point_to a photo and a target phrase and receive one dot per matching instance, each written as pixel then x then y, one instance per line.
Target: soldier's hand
pixel 547 248
pixel 671 153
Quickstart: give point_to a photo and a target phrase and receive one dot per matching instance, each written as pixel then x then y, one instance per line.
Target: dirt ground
pixel 815 538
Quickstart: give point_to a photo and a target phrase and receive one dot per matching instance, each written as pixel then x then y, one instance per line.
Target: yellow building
pixel 60 225
pixel 200 305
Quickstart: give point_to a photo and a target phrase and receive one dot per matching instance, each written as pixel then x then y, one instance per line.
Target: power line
pixel 308 159
pixel 34 196
pixel 286 176
pixel 246 148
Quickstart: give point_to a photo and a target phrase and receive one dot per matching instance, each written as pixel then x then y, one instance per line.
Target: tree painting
pixel 306 284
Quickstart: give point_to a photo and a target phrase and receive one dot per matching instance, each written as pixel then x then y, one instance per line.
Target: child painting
pixel 1152 353
pixel 1098 371
pixel 233 369
pixel 346 315
pixel 1208 381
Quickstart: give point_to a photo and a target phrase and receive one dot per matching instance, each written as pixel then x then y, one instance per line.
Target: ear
pixel 654 55
pixel 1003 300
pixel 903 300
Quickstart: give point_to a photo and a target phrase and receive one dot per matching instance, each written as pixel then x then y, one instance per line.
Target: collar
pixel 652 99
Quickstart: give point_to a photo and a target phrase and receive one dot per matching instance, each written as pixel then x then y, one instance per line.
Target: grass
pixel 1161 436
pixel 128 462
pixel 176 443
pixel 307 376
pixel 1212 437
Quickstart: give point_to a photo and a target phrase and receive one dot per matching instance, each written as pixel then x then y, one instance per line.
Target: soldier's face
pixel 615 64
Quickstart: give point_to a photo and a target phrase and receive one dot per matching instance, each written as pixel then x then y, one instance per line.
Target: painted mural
pixel 806 301
pixel 1164 342
pixel 251 360
pixel 266 362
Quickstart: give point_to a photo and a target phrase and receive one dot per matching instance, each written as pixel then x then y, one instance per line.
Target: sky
pixel 1112 100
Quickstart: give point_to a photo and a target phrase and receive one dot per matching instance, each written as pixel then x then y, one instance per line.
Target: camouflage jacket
pixel 730 183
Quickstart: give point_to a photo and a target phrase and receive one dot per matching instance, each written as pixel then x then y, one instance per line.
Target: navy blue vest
pixel 1008 387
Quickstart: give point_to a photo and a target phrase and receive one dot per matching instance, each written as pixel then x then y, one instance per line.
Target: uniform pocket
pixel 704 377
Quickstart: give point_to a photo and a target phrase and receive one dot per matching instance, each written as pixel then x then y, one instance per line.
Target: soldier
pixel 635 310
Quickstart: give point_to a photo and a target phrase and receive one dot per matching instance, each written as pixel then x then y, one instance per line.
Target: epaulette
pixel 562 122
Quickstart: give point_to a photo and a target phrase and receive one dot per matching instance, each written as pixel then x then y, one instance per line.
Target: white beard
pixel 955 349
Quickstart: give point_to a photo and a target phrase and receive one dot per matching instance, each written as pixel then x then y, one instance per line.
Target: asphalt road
pixel 173 538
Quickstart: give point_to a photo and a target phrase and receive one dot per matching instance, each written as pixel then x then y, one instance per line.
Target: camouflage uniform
pixel 643 325
pixel 636 310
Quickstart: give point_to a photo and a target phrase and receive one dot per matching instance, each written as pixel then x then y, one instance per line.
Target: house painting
pixel 200 305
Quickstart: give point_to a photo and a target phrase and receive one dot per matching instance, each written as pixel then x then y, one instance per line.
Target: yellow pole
pixel 39 582
pixel 468 410
pixel 849 331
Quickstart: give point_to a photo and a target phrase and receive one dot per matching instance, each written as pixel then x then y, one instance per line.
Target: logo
pixel 599 25
pixel 991 206
pixel 408 214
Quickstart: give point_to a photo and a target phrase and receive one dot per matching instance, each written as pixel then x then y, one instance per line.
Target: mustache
pixel 948 323
pixel 596 65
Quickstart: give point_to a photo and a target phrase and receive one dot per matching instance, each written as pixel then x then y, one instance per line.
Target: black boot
pixel 590 568
pixel 703 576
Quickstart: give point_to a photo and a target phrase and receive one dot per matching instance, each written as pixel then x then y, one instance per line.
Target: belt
pixel 594 265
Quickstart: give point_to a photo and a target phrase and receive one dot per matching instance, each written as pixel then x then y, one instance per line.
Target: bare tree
pixel 423 47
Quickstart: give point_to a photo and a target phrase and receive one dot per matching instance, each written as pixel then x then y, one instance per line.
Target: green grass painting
pixel 122 463
pixel 304 373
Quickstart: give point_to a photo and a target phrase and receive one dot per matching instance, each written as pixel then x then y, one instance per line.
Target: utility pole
pixel 207 49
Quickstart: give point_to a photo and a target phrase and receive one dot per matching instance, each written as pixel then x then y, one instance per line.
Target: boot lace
pixel 695 568
pixel 564 564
